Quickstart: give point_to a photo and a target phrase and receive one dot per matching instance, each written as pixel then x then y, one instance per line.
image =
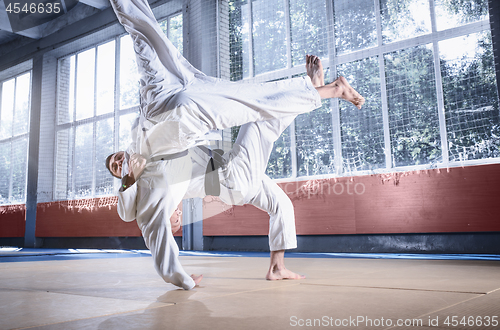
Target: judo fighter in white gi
pixel 180 109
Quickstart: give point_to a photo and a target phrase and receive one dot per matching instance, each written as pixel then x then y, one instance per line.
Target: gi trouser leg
pixel 247 162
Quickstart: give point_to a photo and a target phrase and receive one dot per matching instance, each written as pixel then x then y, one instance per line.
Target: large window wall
pixel 98 101
pixel 425 68
pixel 14 126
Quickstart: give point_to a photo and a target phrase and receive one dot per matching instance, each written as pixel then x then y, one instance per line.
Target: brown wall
pixel 441 200
pixel 12 220
pixel 455 200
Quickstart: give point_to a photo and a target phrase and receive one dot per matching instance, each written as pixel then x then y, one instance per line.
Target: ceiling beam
pixel 99 4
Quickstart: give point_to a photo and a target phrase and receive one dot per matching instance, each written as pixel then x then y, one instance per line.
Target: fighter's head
pixel 114 163
pixel 176 220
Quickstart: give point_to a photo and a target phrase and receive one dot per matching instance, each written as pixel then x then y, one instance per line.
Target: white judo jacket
pixel 180 109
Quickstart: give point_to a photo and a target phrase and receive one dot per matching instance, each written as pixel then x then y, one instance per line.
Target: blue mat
pixel 21 254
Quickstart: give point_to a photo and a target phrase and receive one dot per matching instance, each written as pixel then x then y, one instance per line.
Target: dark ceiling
pixel 28 25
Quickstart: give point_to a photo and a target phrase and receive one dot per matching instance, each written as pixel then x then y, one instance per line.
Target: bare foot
pixel 277 269
pixel 282 274
pixel 196 279
pixel 314 70
pixel 341 88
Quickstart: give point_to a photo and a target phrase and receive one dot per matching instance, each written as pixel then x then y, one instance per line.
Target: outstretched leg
pixel 162 68
pixel 340 88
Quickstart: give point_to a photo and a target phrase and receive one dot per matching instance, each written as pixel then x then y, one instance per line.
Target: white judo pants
pixel 169 83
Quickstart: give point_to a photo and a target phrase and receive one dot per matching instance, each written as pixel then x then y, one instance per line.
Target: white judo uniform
pixel 180 109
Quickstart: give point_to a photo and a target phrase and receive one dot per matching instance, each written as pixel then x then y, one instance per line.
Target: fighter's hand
pixel 196 279
pixel 136 165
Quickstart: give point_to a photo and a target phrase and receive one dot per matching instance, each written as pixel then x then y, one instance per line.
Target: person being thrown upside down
pixel 181 108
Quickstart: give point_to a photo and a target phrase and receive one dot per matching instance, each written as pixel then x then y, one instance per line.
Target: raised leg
pixel 340 88
pixel 162 68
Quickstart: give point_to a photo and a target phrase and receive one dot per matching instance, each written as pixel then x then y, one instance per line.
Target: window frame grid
pixel 116 114
pixel 381 49
pixel 13 138
pixel 72 125
pixel 445 155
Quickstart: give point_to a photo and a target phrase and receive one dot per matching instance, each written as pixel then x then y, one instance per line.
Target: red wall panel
pixel 12 220
pixel 92 217
pixel 439 200
pixel 454 200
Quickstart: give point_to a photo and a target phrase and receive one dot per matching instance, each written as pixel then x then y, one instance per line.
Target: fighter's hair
pixel 107 162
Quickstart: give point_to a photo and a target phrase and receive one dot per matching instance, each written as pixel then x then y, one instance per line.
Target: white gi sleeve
pixel 160 189
pixel 127 203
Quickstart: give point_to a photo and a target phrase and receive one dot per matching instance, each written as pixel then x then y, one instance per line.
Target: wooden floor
pixel 123 291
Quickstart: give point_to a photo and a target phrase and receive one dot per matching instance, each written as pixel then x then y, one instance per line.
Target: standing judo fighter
pixel 180 109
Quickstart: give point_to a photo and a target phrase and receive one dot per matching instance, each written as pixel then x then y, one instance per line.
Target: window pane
pixel 314 142
pixel 453 13
pixel 129 78
pixel 172 27
pixel 64 164
pixel 106 78
pixel 83 160
pixel 104 143
pixel 269 35
pixel 125 128
pixel 19 162
pixel 362 130
pixel 5 169
pixel 21 117
pixel 412 103
pixel 239 39
pixel 309 29
pixel 404 19
pixel 280 161
pixel 85 84
pixel 470 96
pixel 355 25
pixel 175 31
pixel 7 109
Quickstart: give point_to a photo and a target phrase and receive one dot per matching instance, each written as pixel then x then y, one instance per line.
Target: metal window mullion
pixel 383 89
pixel 293 138
pixel 439 88
pixel 385 112
pixel 73 127
pixel 94 127
pixel 288 34
pixel 116 135
pixel 28 140
pixel 217 35
pixel 334 103
pixel 12 143
pixel 57 129
pixel 250 40
pixel 293 148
